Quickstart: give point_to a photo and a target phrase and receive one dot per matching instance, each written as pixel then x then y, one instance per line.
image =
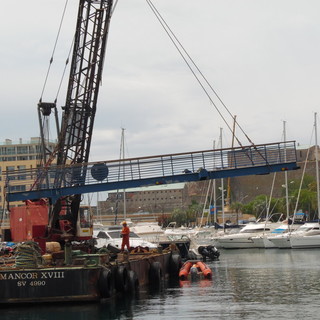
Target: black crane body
pixel 74 138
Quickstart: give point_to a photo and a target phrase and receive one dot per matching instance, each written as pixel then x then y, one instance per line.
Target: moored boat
pixel 283 241
pixel 72 275
pixel 243 239
pixel 266 240
pixel 194 270
pixel 112 236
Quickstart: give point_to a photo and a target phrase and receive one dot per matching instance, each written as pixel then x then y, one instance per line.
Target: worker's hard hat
pixel 123 222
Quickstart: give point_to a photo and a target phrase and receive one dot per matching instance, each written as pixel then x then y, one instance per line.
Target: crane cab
pixel 84 224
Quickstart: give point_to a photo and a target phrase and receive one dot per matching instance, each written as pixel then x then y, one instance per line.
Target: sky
pixel 260 56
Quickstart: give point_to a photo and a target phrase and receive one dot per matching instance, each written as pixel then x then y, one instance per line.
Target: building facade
pixel 21 155
pixel 153 200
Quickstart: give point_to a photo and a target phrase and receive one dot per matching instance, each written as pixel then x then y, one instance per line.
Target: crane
pixel 75 131
pixel 80 107
pixel 67 174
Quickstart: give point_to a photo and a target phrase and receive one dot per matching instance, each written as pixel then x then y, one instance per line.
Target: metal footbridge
pixel 58 181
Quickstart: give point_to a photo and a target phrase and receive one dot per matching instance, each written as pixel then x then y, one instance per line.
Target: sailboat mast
pixel 214 191
pixel 286 173
pixel 317 162
pixel 222 188
pixel 228 200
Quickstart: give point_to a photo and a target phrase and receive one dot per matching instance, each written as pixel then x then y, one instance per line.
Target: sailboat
pixel 266 240
pixel 310 239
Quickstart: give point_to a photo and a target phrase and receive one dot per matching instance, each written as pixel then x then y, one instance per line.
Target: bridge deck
pixel 57 181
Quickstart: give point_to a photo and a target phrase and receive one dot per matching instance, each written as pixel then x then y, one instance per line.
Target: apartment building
pixel 19 155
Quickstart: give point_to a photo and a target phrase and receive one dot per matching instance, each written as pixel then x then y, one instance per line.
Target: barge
pixel 86 277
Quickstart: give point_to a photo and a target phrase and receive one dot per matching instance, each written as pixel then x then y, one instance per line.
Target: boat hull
pixel 82 283
pixel 281 242
pixel 49 284
pixel 262 242
pixel 305 242
pixel 236 243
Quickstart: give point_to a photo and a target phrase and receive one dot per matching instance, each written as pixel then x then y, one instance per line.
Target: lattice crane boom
pixel 74 137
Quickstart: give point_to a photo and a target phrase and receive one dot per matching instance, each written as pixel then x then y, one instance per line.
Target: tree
pixel 237 207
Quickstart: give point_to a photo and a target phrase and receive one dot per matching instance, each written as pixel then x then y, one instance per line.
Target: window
pixel 23 149
pixel 22 176
pixel 11 150
pixel 32 149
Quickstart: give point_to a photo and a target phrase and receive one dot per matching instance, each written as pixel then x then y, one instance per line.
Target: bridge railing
pixel 151 167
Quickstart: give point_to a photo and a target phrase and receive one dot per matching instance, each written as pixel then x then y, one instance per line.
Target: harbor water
pixel 246 284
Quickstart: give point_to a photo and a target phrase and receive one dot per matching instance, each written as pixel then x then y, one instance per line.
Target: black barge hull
pixel 84 283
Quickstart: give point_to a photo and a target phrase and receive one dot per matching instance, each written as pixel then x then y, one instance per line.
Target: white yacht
pixel 283 241
pixel 264 240
pixel 176 232
pixel 309 238
pixel 149 231
pixel 243 239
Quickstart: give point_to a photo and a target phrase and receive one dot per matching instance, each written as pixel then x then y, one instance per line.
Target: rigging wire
pixel 64 71
pixel 114 7
pixel 54 49
pixel 176 42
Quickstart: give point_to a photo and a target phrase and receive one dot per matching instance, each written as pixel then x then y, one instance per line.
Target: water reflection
pixel 200 283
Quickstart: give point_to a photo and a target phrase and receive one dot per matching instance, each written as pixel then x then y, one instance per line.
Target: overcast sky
pixel 261 56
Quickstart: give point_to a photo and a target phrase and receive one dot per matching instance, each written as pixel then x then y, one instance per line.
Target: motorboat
pixel 243 239
pixel 262 240
pixel 105 236
pixel 194 270
pixel 177 232
pixel 283 241
pixel 203 243
pixel 149 231
pixel 266 240
pixel 307 237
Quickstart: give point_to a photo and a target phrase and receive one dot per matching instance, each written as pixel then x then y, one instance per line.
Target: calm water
pixel 247 284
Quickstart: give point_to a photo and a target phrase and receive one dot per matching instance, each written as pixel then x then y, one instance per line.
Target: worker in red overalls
pixel 125 236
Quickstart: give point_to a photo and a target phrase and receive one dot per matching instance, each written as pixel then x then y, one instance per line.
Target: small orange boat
pixel 195 269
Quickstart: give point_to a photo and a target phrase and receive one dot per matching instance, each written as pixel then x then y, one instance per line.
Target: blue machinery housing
pixel 58 181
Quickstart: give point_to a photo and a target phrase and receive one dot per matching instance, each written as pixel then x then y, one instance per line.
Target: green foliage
pixel 185 217
pixel 307 200
pixel 237 207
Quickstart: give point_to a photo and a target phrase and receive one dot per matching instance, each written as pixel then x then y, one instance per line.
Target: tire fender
pixel 105 283
pixel 155 274
pixel 175 264
pixel 133 282
pixel 121 278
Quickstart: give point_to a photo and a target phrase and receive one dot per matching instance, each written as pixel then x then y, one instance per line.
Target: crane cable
pixel 54 49
pixel 178 44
